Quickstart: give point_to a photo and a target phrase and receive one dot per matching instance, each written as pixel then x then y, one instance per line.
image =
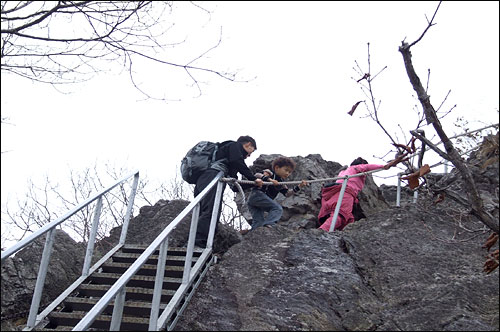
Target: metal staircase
pixel 132 287
pixel 139 291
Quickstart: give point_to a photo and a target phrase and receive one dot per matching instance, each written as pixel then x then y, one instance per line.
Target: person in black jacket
pixel 230 158
pixel 262 199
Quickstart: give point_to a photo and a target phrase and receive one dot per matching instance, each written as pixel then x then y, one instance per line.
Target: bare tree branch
pixel 61 42
pixel 451 153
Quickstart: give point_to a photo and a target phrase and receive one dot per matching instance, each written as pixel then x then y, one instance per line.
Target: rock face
pixel 417 267
pixel 20 272
pixel 388 272
pixel 303 207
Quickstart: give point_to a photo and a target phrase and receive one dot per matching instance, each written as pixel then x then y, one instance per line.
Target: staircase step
pixel 136 281
pixel 132 293
pixel 146 269
pixel 178 251
pixel 153 259
pixel 131 308
pixel 70 319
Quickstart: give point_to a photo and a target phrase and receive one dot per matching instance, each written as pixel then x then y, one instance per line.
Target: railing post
pixel 339 203
pixel 160 272
pixel 398 192
pixel 446 167
pixel 40 280
pixel 116 319
pixel 190 244
pixel 415 196
pixel 93 232
pixel 215 214
pixel 130 206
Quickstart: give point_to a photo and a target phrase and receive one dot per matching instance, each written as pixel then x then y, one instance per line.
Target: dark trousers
pixel 206 206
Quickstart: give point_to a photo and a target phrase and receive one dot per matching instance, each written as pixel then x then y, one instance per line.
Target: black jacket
pixel 272 191
pixel 234 155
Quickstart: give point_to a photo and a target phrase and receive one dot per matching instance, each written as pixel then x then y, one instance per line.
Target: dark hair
pixel 359 161
pixel 246 139
pixel 283 161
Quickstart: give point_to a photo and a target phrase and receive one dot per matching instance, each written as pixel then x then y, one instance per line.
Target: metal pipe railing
pixel 49 229
pixel 24 242
pixel 117 290
pixel 342 191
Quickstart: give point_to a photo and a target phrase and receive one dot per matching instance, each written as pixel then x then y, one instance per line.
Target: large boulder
pixel 410 268
pixel 417 267
pixel 152 220
pixel 302 208
pixel 19 274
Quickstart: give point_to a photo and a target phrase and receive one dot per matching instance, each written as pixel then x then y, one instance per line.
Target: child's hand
pixel 303 184
pixel 275 182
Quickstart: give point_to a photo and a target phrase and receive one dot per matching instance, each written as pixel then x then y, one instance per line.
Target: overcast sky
pixel 299 57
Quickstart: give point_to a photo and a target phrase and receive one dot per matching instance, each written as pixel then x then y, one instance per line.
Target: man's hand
pixel 303 184
pixel 258 183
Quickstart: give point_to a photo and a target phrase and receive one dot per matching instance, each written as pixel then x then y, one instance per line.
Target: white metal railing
pixel 50 228
pixel 415 192
pixel 117 290
pixel 341 194
pixel 444 162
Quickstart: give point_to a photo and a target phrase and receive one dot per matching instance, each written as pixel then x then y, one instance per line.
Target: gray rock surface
pixel 19 275
pixel 418 267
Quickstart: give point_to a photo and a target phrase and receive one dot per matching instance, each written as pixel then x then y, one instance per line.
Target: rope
pixel 233 180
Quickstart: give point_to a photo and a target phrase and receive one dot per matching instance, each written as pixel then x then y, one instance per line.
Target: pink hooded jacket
pixel 330 197
pixel 358 183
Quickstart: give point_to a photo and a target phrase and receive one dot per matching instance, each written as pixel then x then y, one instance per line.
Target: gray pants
pixel 258 203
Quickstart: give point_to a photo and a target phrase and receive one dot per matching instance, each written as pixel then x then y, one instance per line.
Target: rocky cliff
pixel 416 267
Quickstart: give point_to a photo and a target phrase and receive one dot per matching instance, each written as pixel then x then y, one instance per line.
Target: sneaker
pixel 244 231
pixel 268 226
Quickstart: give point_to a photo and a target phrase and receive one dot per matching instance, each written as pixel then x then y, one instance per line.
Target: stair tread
pixel 134 277
pixel 128 303
pixel 144 266
pixel 81 314
pixel 132 255
pixel 142 247
pixel 127 289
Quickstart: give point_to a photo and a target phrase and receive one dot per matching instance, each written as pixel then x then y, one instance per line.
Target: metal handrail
pixel 342 191
pixel 117 290
pixel 415 192
pixel 50 228
pixel 24 242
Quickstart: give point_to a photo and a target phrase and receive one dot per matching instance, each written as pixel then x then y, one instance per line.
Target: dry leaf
pixel 402 146
pixel 439 199
pixel 354 107
pixel 491 263
pixel 424 170
pixel 490 242
pixel 365 76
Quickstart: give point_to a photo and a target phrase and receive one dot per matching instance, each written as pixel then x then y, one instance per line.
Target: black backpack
pixel 198 159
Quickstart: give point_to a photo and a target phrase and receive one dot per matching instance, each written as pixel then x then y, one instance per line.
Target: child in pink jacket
pixel 330 195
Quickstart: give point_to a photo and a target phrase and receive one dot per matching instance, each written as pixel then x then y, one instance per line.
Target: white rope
pixel 233 180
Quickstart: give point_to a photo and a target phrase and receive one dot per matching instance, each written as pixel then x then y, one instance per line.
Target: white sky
pixel 302 56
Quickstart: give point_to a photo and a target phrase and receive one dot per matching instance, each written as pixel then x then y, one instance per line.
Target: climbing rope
pixel 233 180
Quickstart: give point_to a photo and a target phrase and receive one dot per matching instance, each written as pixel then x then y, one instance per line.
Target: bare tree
pixel 429 117
pixel 474 200
pixel 230 214
pixel 176 188
pixel 60 42
pixel 48 201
